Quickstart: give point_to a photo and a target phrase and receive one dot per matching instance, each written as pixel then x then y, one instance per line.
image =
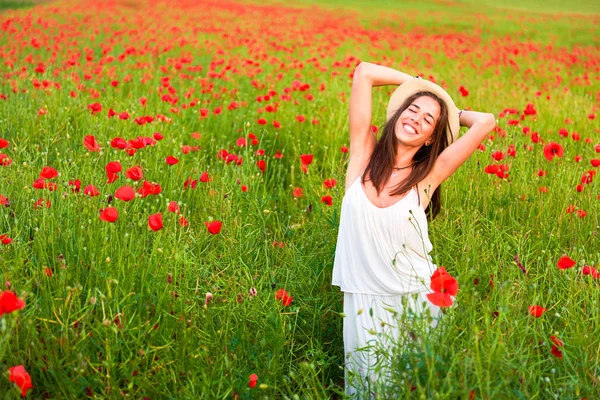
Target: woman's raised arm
pixel 362 139
pixel 480 125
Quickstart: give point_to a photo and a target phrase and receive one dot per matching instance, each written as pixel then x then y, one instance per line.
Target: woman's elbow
pixel 489 121
pixel 362 69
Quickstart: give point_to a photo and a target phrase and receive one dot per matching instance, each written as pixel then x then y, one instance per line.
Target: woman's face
pixel 416 124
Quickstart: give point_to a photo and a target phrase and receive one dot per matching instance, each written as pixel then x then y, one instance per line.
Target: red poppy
pixel 300 118
pixel 536 311
pixel 241 142
pixel 3 143
pixel 252 379
pixel 48 173
pixel 9 302
pixel 125 193
pixel 183 222
pixel 190 182
pixel 556 352
pixel 595 162
pixel 205 177
pixel 5 160
pixel 344 149
pixel 244 188
pixel 440 299
pixel 278 154
pixel 497 155
pixel 297 192
pixel 173 207
pixel 262 121
pixel 327 199
pixel 76 185
pixel 589 270
pixel 441 281
pixel 118 143
pixel 91 190
pixel 95 108
pixel 112 177
pixel 262 165
pixel 39 183
pixel 21 378
pixel 135 173
pixel 113 167
pixel 463 91
pixel 443 286
pixel 306 159
pixel 556 341
pixel 4 239
pixel 329 183
pixel 149 188
pixel 155 222
pixel 553 149
pixel 109 214
pixel 530 110
pixel 90 143
pixel 41 203
pixel 565 262
pixel 185 149
pixel 284 297
pixel 563 132
pixel 171 160
pixel 214 227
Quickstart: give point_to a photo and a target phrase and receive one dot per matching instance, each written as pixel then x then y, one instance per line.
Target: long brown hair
pixel 384 155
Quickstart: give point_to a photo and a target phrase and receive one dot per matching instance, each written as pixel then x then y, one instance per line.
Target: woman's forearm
pixel 378 75
pixel 469 118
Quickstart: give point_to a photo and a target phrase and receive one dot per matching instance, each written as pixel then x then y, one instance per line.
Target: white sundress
pixel 369 239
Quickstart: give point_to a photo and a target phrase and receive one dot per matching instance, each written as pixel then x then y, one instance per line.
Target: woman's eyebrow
pixel 413 104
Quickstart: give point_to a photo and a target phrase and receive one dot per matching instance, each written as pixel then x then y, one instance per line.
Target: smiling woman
pixel 382 261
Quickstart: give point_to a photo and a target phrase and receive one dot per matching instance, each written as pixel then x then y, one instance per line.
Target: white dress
pixel 381 257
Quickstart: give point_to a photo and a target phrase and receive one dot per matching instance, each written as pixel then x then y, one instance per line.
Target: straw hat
pixel 413 86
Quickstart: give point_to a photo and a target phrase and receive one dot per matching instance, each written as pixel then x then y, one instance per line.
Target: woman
pixel 392 187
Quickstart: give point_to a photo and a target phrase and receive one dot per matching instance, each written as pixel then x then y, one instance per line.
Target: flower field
pixel 171 176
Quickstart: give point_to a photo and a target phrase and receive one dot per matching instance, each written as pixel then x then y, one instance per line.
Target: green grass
pixel 124 312
pixel 9 4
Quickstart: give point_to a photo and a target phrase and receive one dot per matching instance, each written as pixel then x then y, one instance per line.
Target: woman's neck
pixel 404 156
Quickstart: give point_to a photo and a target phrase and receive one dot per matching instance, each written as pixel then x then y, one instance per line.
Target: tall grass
pixel 125 310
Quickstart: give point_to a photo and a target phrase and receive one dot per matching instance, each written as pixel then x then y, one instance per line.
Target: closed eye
pixel 429 121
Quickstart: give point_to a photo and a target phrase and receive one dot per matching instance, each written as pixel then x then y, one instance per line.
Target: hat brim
pixel 413 86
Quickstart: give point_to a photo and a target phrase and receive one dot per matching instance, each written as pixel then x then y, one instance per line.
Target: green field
pixel 131 309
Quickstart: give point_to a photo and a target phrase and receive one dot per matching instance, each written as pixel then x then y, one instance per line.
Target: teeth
pixel 409 129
